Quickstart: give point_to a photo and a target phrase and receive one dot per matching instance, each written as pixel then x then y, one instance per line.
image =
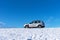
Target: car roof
pixel 36 20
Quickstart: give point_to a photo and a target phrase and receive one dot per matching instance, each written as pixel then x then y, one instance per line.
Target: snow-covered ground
pixel 30 34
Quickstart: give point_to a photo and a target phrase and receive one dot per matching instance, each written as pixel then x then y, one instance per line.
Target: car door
pixel 33 24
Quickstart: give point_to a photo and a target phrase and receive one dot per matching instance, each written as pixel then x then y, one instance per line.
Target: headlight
pixel 25 24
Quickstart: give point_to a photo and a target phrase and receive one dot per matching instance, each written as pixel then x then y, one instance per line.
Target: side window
pixel 38 21
pixel 35 21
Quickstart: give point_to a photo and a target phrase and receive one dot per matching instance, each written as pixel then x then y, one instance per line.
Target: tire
pixel 42 26
pixel 26 26
pixel 39 26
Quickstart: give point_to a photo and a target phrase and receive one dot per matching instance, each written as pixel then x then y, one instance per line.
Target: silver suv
pixel 35 24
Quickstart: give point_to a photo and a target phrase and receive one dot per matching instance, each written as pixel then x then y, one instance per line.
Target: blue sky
pixel 15 13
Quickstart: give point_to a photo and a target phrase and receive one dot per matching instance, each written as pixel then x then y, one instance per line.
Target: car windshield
pixel 38 21
pixel 31 22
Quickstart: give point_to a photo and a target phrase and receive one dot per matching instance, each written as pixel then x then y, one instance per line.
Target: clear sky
pixel 15 13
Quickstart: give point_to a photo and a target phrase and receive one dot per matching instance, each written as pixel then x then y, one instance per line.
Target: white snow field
pixel 29 34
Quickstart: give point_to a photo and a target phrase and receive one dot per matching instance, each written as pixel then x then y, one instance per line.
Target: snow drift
pixel 30 34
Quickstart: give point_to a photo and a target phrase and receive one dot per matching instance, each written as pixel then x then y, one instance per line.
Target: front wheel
pixel 26 26
pixel 39 26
